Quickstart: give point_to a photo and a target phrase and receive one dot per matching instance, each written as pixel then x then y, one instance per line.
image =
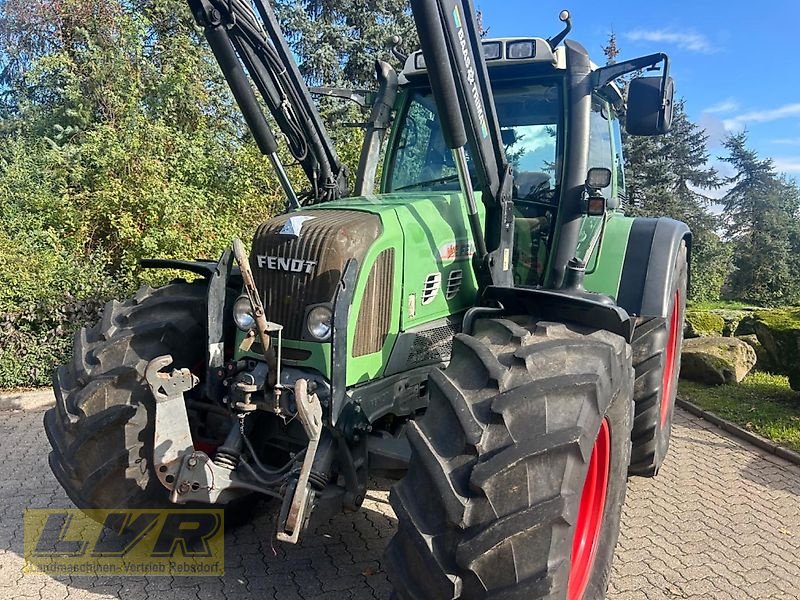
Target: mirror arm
pixel 359 97
pixel 397 49
pixel 605 75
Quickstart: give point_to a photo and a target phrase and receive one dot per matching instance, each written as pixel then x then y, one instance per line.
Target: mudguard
pixel 577 306
pixel 205 268
pixel 220 276
pixel 644 288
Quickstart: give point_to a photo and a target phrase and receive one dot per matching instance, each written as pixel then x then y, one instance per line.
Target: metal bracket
pixel 172 436
pixel 263 327
pixel 188 474
pixel 309 411
pixel 200 479
pixel 360 97
pixel 342 302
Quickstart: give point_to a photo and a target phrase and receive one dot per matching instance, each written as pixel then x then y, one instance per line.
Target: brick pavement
pixel 722 520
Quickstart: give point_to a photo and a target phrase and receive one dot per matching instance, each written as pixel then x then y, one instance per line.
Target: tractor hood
pixel 412 252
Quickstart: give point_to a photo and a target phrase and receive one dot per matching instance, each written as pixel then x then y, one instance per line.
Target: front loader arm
pixel 241 38
pixel 450 40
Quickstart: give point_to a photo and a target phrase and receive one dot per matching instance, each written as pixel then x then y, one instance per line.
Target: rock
pixel 718 322
pixel 747 326
pixel 703 323
pixel 716 360
pixel 763 359
pixel 779 332
pixel 731 320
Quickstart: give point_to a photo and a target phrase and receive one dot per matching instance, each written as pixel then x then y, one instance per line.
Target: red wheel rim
pixel 590 514
pixel 668 383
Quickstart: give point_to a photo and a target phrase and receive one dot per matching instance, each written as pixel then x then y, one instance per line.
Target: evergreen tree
pixel 611 50
pixel 761 210
pixel 666 176
pixel 337 42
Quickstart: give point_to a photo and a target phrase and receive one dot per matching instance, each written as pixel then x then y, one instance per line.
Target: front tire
pixel 518 468
pixel 101 429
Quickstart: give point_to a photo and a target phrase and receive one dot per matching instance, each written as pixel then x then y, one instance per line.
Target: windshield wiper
pixel 410 186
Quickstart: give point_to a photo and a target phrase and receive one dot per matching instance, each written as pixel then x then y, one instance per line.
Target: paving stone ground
pixel 721 521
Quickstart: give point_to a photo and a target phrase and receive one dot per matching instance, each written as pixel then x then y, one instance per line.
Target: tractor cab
pixel 529 82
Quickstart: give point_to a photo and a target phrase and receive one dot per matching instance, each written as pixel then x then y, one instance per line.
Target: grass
pixel 721 304
pixel 762 403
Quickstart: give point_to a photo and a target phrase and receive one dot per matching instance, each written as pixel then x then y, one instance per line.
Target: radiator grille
pixel 329 239
pixel 375 314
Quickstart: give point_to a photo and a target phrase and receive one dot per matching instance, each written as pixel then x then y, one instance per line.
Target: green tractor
pixel 490 326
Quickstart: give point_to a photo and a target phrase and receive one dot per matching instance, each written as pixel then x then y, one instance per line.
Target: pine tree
pixel 667 176
pixel 760 218
pixel 611 50
pixel 337 42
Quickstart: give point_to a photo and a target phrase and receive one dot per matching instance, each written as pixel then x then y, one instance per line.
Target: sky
pixel 735 62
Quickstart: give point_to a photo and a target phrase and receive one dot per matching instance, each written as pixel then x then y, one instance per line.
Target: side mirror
pixel 649 106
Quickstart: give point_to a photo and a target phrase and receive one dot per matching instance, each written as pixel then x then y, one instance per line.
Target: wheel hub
pixel 590 514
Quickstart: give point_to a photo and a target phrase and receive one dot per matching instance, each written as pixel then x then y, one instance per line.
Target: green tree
pixel 118 141
pixel 337 42
pixel 670 176
pixel 761 210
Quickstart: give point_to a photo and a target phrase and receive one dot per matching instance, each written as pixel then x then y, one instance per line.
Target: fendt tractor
pixel 489 327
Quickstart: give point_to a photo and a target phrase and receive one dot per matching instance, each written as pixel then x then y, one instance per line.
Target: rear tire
pixel 101 429
pixel 491 503
pixel 657 345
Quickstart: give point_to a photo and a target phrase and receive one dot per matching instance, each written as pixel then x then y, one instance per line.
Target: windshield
pixel 530 127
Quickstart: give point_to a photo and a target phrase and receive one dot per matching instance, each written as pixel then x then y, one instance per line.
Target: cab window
pixel 530 129
pixel 600 148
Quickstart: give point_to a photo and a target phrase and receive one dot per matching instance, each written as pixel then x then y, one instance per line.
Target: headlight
pixel 319 323
pixel 243 314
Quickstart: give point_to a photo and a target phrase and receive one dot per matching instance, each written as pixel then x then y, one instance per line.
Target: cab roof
pixel 502 51
pixel 512 51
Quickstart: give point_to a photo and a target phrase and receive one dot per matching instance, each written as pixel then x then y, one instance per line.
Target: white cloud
pixel 714 127
pixel 694 42
pixel 725 106
pixel 787 164
pixel 763 116
pixel 787 141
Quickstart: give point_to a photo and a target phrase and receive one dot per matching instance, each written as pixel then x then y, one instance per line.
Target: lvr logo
pixel 124 542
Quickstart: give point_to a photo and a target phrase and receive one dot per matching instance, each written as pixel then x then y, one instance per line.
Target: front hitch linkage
pixel 191 475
